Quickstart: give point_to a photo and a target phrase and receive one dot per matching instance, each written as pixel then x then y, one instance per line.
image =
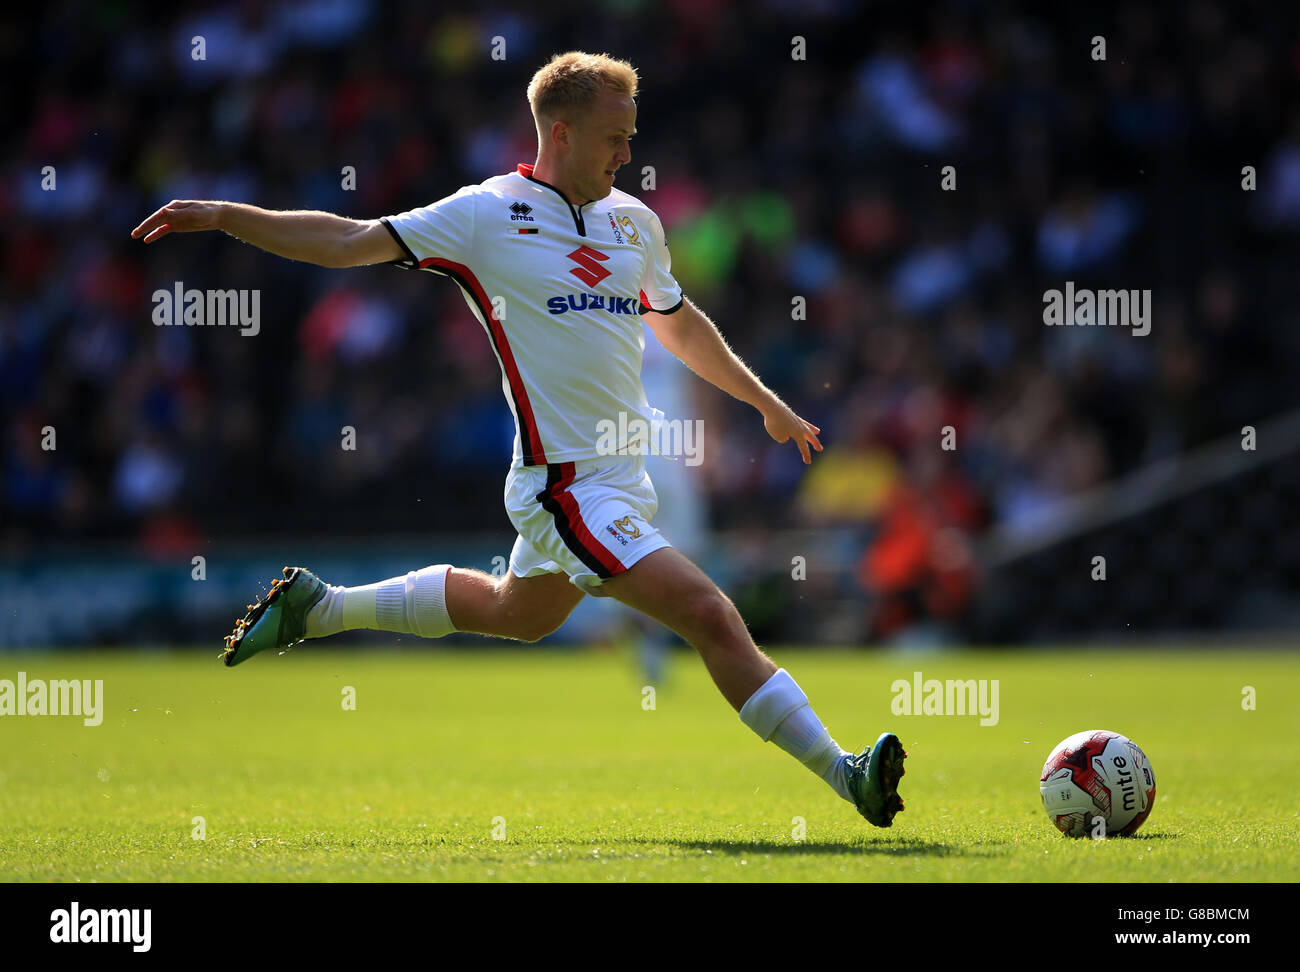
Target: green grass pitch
pixel 543 765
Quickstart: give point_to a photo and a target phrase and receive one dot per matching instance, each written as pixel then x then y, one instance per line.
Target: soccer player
pixel 576 265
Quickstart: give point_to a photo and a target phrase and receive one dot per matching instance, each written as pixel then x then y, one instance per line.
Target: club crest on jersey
pixel 629 228
pixel 626 224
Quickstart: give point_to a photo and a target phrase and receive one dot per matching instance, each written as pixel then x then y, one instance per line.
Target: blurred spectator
pixel 777 179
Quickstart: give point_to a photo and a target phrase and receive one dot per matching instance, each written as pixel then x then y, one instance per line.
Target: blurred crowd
pixel 776 177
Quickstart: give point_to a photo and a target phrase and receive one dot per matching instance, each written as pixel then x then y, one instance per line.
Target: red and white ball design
pixel 1097 773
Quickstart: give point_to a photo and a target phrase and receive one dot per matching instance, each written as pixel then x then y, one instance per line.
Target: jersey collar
pixel 525 169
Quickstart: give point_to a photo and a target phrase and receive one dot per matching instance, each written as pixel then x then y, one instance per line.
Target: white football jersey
pixel 559 288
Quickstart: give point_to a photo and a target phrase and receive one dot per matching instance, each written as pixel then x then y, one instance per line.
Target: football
pixel 1097 782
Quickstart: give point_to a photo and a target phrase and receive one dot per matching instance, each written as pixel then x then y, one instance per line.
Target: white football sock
pixel 780 712
pixel 413 604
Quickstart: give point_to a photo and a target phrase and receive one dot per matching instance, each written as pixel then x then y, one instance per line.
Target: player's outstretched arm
pixel 693 338
pixel 312 237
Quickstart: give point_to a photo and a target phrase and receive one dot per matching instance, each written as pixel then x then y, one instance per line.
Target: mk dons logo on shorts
pixel 628 527
pixel 626 531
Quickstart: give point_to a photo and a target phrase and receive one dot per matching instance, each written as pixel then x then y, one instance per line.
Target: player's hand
pixel 782 424
pixel 179 216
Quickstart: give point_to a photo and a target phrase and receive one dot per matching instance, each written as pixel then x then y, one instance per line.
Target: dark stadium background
pixel 776 178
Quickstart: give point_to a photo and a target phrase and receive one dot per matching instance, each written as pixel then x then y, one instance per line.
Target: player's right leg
pixel 522 608
pixel 430 603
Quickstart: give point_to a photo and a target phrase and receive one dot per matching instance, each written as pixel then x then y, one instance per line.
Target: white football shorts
pixel 589 519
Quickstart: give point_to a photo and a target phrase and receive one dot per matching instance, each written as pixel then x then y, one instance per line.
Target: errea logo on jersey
pixel 521 211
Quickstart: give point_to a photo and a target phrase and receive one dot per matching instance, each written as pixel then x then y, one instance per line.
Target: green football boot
pixel 278 620
pixel 873 780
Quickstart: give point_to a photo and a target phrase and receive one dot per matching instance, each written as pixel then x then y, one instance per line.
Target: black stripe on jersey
pixel 531 449
pixel 415 263
pixel 554 473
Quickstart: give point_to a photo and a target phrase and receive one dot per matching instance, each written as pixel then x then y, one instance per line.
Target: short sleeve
pixel 440 231
pixel 659 290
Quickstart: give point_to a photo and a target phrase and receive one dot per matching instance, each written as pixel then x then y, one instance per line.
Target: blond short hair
pixel 574 80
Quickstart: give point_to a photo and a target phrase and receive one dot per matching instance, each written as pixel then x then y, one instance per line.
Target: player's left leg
pixel 668 587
